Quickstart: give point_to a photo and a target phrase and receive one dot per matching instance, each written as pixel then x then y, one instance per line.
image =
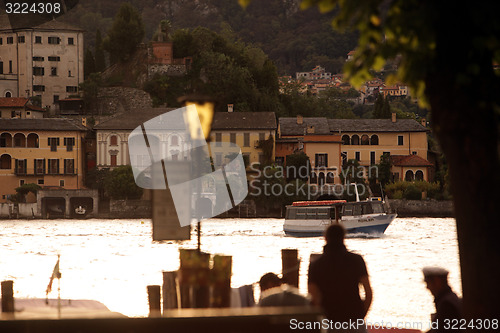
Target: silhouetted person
pixel 448 305
pixel 276 293
pixel 334 280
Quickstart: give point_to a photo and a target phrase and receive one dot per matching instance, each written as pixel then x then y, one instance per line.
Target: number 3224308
pixel 479 324
pixel 34 8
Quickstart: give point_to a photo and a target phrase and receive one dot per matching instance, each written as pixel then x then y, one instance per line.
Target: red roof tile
pixel 409 160
pixel 13 102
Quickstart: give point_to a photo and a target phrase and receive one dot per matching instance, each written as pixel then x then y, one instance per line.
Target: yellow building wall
pixel 401 171
pixel 9 180
pixel 333 150
pixel 249 150
pixel 388 142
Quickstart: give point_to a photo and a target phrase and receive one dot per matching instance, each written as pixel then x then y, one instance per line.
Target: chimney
pixel 300 120
pixel 230 107
pixel 394 117
pixel 423 121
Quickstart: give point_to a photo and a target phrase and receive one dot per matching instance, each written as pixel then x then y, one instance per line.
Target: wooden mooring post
pixel 221 282
pixel 170 291
pixel 290 265
pixel 194 278
pixel 154 298
pixel 7 296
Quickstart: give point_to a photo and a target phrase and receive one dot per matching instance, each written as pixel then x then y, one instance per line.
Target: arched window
pixel 419 175
pixel 365 140
pixel 32 141
pixel 5 162
pixel 8 94
pixel 19 140
pixel 174 141
pixel 314 178
pixel 321 179
pixel 330 178
pixel 5 140
pixel 355 140
pixel 409 176
pixel 374 140
pixel 346 140
pixel 113 140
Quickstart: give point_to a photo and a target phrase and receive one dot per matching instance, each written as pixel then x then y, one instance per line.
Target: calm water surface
pixel 113 261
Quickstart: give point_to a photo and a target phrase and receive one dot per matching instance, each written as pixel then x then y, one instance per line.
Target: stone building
pixel 44 61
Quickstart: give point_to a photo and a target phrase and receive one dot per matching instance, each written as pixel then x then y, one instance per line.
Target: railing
pixel 40 172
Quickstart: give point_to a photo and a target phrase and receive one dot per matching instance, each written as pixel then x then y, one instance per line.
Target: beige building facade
pixel 45 61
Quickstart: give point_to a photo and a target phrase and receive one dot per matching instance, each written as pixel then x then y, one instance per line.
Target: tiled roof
pixel 5 24
pixel 13 102
pixel 409 160
pixel 289 126
pixel 374 125
pixel 131 119
pixel 44 124
pixel 57 25
pixel 244 120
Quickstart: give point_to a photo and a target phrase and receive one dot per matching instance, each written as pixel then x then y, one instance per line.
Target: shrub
pixel 412 192
pixel 432 189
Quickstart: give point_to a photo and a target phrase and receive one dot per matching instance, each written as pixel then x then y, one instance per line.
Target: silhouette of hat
pixel 434 271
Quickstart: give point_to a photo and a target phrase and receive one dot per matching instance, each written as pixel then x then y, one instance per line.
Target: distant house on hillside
pixel 317 73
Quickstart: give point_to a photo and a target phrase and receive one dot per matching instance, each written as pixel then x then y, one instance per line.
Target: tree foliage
pixel 121 184
pixel 125 34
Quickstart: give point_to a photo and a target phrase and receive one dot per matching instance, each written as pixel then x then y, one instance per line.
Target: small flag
pixel 56 274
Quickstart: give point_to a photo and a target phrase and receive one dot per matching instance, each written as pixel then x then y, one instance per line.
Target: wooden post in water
pixel 170 291
pixel 154 299
pixel 290 265
pixel 221 282
pixel 193 278
pixel 7 296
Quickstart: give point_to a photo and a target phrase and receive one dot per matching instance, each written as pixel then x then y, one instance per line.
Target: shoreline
pixel 141 209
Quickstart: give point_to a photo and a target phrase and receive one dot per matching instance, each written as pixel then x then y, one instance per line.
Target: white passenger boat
pixel 311 218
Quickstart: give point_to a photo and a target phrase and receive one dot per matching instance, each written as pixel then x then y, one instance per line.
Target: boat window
pixel 367 209
pixel 377 207
pixel 323 213
pixel 357 210
pixel 348 210
pixel 301 213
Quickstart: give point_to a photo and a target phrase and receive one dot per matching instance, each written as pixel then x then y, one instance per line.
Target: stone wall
pixel 130 209
pixel 114 100
pixel 21 211
pixel 422 208
pixel 164 69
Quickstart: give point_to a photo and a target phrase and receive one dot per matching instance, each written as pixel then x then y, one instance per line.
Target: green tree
pixel 96 179
pixel 125 34
pixel 23 190
pixel 88 63
pixel 378 107
pixel 90 88
pixel 447 59
pixel 100 59
pixel 386 109
pixel 298 166
pixel 121 184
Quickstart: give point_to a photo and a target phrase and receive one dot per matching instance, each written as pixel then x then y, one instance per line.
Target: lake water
pixel 113 261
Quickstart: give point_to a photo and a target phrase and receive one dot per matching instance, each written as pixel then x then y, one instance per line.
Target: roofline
pixel 242 128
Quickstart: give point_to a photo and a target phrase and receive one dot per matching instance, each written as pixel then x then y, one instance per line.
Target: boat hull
pixel 367 224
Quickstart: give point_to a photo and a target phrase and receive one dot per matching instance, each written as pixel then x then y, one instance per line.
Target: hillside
pixel 295 40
